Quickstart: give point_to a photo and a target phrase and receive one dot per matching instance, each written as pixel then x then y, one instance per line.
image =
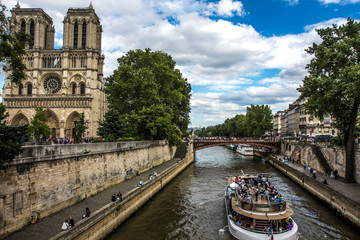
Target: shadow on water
pixel 192 206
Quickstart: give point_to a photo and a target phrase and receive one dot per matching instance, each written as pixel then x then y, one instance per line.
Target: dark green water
pixel 192 205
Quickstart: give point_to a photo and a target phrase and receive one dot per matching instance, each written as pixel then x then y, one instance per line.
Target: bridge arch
pixel 201 144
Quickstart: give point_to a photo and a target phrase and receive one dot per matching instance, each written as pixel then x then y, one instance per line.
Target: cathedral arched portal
pixel 20 120
pixel 53 123
pixel 70 124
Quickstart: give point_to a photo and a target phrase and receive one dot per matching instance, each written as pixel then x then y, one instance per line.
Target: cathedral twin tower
pixel 67 81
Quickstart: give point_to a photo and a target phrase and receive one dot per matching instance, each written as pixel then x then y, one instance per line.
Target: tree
pixel 154 123
pixel 9 139
pixel 116 125
pixel 258 120
pixel 333 84
pixel 38 127
pixel 12 47
pixel 145 78
pixel 79 128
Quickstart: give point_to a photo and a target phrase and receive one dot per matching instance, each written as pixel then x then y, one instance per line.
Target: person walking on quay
pixel 119 196
pixel 314 174
pixel 113 198
pixel 335 174
pixel 304 167
pixel 87 213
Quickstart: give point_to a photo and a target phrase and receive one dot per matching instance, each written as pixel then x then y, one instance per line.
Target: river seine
pixel 192 205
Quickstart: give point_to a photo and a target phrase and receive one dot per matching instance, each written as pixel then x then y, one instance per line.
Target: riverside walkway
pixel 350 190
pixel 50 225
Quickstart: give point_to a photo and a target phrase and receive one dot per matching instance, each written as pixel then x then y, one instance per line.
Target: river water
pixel 192 205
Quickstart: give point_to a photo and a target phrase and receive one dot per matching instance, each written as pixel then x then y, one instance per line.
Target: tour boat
pixel 245 150
pixel 232 147
pixel 267 218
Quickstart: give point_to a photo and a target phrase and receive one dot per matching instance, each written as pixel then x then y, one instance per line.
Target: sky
pixel 233 53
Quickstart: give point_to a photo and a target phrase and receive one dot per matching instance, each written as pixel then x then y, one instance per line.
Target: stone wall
pixel 335 156
pixel 341 204
pixel 50 178
pixel 105 220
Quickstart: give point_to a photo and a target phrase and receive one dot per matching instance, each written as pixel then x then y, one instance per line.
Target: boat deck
pixel 261 215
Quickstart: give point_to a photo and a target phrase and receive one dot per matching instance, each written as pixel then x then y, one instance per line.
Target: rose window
pixel 52 84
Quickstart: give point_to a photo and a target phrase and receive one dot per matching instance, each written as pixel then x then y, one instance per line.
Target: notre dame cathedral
pixel 67 81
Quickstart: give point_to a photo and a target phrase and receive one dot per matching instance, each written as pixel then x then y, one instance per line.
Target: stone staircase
pixel 323 162
pixel 181 150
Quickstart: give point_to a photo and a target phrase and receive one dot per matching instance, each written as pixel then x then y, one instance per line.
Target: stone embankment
pixel 343 198
pixel 50 178
pixel 106 215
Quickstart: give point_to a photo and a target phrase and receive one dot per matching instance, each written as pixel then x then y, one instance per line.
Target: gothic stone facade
pixel 67 81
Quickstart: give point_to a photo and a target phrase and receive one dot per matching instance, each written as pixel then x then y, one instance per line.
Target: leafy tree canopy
pixel 9 139
pixel 154 123
pixel 145 78
pixel 256 122
pixel 144 92
pixel 115 126
pixel 38 127
pixel 333 84
pixel 12 47
pixel 79 128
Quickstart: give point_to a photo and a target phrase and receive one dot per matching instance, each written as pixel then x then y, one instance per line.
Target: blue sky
pixel 234 53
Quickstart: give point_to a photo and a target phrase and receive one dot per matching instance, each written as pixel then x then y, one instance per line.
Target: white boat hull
pixel 244 234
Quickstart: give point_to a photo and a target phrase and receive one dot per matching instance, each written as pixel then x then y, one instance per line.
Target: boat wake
pixel 222 230
pixel 214 200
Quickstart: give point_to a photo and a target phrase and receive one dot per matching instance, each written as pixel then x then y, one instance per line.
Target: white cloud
pixel 228 8
pixel 219 56
pixel 292 2
pixel 339 1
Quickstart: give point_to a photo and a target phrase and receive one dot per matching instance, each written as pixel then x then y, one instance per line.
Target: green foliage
pixel 154 123
pixel 333 84
pixel 147 97
pixel 9 136
pixel 79 128
pixel 38 127
pixel 145 78
pixel 12 47
pixel 126 139
pixel 256 122
pixel 259 120
pixel 116 124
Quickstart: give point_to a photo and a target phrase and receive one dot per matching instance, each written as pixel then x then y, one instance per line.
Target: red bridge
pixel 205 143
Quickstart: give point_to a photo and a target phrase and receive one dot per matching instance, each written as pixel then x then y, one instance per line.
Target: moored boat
pixel 232 147
pixel 255 210
pixel 245 150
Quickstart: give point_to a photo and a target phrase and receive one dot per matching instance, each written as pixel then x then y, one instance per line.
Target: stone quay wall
pixel 105 220
pixel 341 204
pixel 335 156
pixel 52 177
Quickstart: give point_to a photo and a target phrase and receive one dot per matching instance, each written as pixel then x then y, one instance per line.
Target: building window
pixel 20 89
pixel 76 30
pixel 74 88
pixel 82 88
pixel 29 89
pixel 23 26
pixel 83 41
pixel 32 34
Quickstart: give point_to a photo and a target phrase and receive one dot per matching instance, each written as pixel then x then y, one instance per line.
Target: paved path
pixel 351 190
pixel 50 226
